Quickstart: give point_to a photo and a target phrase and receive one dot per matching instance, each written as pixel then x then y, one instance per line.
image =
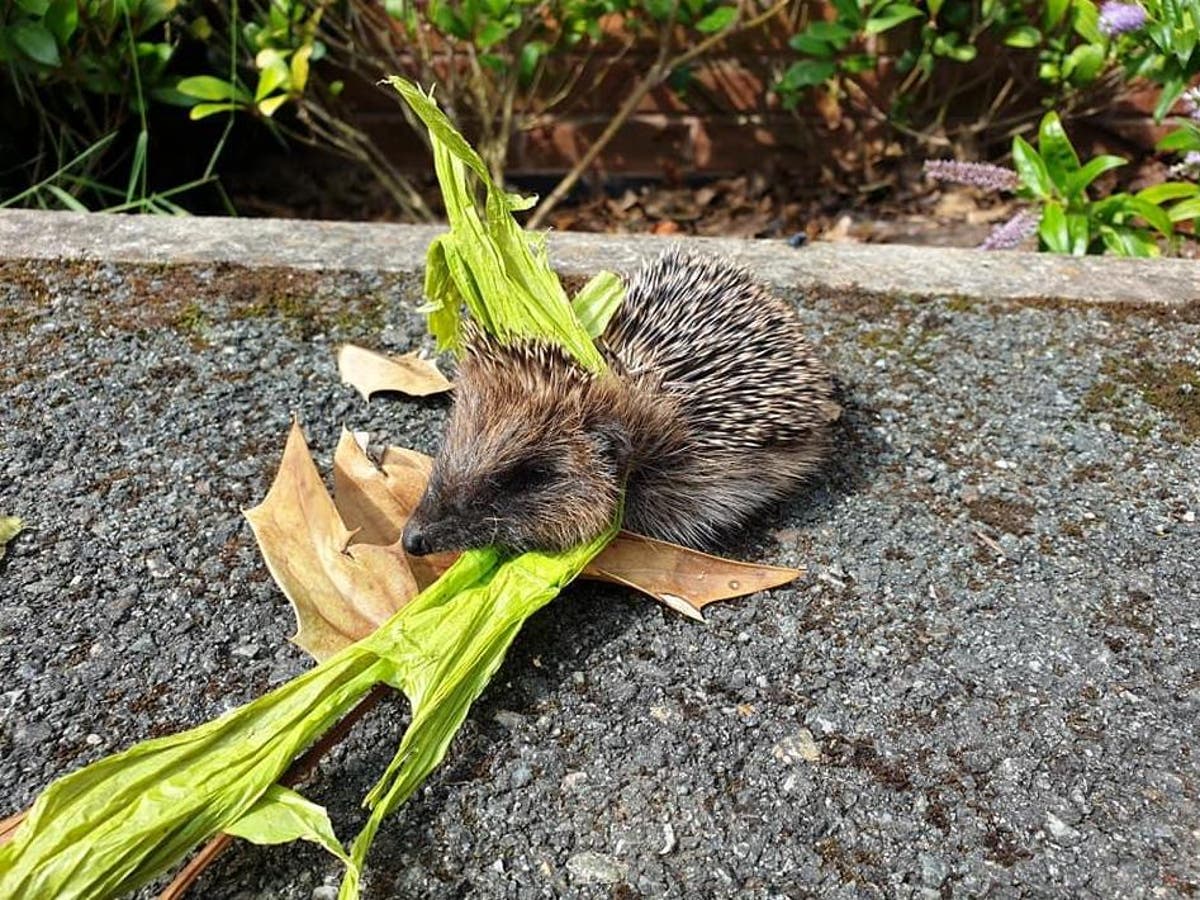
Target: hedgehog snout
pixel 414 541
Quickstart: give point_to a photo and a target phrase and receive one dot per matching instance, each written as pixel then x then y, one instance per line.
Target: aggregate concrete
pixel 988 684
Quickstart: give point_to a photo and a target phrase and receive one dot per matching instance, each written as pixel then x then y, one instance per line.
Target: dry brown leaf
pixel 370 372
pixel 682 578
pixel 338 592
pixel 378 501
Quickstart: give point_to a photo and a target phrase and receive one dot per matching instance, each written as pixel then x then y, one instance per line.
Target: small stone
pixel 1060 830
pixel 521 775
pixel 933 870
pixel 93 740
pixel 510 720
pixel 325 892
pixel 573 781
pixel 595 868
pixel 159 566
pixel 796 748
pixel 669 841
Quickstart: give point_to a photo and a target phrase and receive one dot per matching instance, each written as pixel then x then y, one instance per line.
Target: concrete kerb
pixel 398 249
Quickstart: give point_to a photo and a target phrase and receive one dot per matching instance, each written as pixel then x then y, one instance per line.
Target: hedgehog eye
pixel 524 476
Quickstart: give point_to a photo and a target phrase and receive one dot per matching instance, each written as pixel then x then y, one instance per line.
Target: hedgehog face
pixel 524 464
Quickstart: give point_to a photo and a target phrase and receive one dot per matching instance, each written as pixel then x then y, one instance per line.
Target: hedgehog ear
pixel 610 441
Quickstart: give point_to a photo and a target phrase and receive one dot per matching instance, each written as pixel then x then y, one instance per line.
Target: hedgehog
pixel 712 406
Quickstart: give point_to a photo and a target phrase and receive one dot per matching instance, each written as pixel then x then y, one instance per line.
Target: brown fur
pixel 713 406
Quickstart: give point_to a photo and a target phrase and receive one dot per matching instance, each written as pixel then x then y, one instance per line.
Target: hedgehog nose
pixel 414 542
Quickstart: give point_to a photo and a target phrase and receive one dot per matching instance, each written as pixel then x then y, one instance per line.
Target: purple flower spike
pixel 983 175
pixel 1119 18
pixel 1009 235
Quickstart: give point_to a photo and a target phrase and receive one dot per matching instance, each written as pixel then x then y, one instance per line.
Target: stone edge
pixel 400 249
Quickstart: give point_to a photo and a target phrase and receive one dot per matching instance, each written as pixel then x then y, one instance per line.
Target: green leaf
pixel 1168 190
pixel 62 18
pixel 270 79
pixel 268 106
pixel 717 20
pixel 10 527
pixel 207 87
pixel 1053 12
pixel 1186 137
pixel 892 16
pixel 281 816
pixel 1083 64
pixel 34 7
pixel 1053 228
pixel 1155 215
pixel 1125 241
pixel 204 110
pixel 1032 169
pixel 1185 211
pixel 807 73
pixel 1087 22
pixel 490 34
pixel 1077 182
pixel 114 825
pixel 1079 233
pixel 35 41
pixel 527 62
pixel 495 267
pixel 1056 151
pixel 1024 36
pixel 1172 88
pixel 811 46
pixel 597 302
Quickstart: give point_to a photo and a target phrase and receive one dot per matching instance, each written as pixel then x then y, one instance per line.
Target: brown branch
pixel 9 826
pixel 658 73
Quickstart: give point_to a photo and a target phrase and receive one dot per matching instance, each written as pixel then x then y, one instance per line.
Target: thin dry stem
pixel 658 73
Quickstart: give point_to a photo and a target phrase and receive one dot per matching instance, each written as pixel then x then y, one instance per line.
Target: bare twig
pixel 659 72
pixel 9 826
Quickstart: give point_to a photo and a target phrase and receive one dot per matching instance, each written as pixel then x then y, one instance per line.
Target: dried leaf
pixel 376 501
pixel 679 576
pixel 369 373
pixel 338 592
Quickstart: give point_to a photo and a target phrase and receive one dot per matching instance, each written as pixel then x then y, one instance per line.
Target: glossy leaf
pixel 1056 151
pixel 206 87
pixel 1185 211
pixel 717 20
pixel 1053 228
pixel 1077 182
pixel 891 16
pixel 1032 169
pixel 1168 190
pixel 1023 36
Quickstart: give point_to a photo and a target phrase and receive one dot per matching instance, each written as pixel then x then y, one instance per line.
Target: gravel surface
pixel 989 683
